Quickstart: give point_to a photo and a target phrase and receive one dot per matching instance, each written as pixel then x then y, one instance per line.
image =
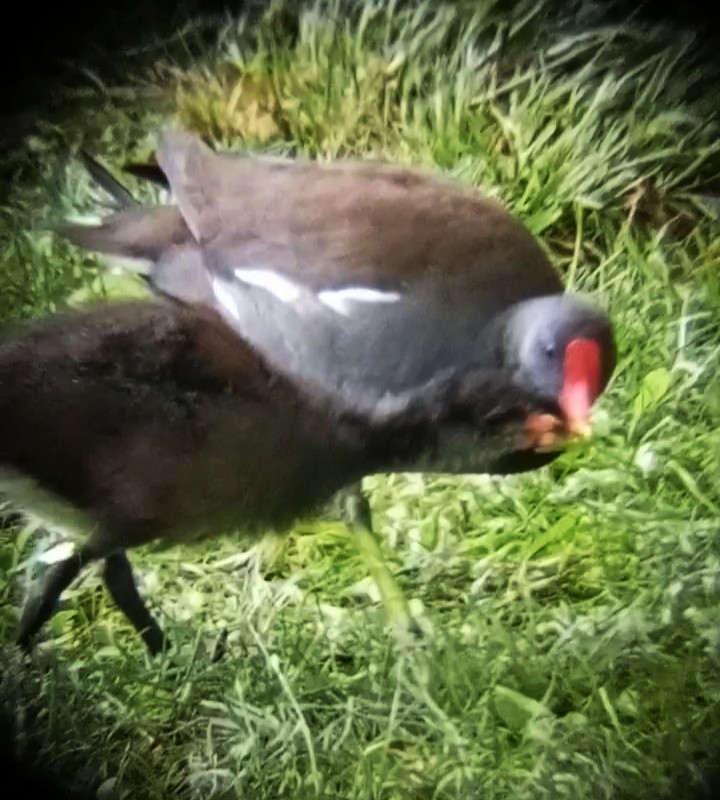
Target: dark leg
pixel 357 507
pixel 40 607
pixel 119 580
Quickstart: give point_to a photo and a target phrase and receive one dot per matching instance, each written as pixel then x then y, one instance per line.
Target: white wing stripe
pixel 225 298
pixel 284 289
pixel 341 300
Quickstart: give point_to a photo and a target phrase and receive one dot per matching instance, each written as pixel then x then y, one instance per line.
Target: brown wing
pixel 347 223
pixel 352 223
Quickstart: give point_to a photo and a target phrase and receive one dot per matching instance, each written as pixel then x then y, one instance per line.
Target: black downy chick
pixel 147 420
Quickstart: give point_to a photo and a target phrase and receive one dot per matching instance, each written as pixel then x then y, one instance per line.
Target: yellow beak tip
pixel 582 429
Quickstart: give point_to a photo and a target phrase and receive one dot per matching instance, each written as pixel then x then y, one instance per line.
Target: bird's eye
pixel 549 350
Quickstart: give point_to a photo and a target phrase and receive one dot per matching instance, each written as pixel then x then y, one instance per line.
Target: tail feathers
pixel 102 176
pixel 132 237
pixel 112 237
pixel 96 239
pixel 148 172
pixel 139 232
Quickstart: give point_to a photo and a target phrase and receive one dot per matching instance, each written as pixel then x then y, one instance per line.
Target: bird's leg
pixel 120 583
pixel 40 607
pixel 395 604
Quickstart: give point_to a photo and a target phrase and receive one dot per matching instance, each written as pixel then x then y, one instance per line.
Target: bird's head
pixel 560 349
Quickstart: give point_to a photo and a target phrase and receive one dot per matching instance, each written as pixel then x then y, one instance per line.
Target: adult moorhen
pixel 424 311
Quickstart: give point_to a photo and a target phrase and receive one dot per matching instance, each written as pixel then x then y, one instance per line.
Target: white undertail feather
pixel 120 264
pixel 45 506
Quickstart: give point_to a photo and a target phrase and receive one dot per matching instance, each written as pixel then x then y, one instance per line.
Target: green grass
pixel 573 615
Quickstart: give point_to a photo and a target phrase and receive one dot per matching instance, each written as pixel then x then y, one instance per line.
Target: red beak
pixel 581 384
